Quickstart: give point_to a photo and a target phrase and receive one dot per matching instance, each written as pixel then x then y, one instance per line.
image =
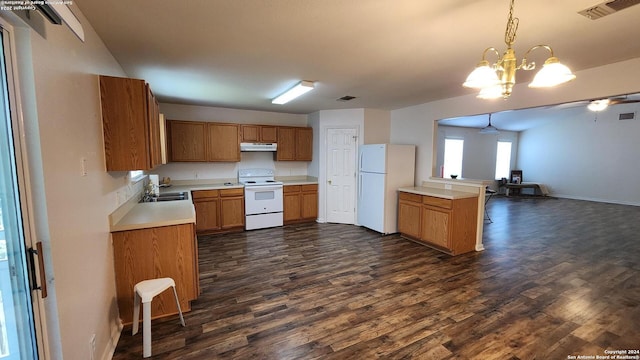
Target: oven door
pixel 262 199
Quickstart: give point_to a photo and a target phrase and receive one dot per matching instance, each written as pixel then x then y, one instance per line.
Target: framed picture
pixel 516 177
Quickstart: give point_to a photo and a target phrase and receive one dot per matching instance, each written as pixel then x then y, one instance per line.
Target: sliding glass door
pixel 17 331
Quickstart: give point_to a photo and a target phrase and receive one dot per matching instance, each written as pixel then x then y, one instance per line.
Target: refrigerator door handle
pixel 360 188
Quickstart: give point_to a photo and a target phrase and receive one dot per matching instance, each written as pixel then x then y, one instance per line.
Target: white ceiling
pixel 389 54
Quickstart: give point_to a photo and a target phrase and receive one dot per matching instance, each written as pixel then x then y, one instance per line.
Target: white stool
pixel 146 291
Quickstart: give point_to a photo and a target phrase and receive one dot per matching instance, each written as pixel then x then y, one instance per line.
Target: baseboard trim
pixel 113 342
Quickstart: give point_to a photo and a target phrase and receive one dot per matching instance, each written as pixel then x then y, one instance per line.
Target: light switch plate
pixel 83 166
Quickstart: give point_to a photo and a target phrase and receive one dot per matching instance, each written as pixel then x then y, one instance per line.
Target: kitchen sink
pixel 172 196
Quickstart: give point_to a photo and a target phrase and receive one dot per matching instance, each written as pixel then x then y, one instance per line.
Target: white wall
pixel 58 75
pixel 377 126
pixel 585 155
pixel 479 153
pixel 229 170
pixel 414 125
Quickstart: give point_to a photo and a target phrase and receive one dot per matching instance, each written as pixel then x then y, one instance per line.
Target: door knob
pixel 329 181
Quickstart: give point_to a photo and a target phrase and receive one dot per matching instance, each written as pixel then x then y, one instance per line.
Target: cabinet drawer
pixel 410 197
pixel 232 192
pixel 291 188
pixel 438 202
pixel 202 194
pixel 309 188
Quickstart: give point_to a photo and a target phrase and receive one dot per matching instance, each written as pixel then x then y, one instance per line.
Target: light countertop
pixel 298 180
pixel 439 193
pixel 186 185
pixel 156 214
pixel 200 186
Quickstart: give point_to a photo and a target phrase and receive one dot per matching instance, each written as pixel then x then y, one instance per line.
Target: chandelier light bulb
pixel 493 92
pixel 552 73
pixel 483 76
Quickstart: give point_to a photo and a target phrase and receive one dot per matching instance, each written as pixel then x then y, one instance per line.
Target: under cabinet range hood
pixel 258 146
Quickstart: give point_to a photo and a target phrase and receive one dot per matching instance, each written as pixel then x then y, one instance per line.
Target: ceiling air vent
pixel 627 116
pixel 346 98
pixel 607 8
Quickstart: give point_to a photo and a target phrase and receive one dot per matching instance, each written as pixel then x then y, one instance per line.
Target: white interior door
pixel 342 150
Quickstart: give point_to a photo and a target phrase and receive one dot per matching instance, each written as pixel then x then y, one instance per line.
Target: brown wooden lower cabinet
pixel 300 203
pixel 167 251
pixel 449 225
pixel 219 210
pixel 409 214
pixel 232 208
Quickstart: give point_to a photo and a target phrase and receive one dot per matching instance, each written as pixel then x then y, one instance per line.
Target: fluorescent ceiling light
pixel 300 88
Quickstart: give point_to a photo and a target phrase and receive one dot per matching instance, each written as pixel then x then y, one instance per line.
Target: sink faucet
pixel 148 194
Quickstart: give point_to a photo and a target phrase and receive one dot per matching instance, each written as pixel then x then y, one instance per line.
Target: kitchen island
pixel 442 218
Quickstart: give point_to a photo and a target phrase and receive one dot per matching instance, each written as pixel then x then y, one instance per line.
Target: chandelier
pixel 497 80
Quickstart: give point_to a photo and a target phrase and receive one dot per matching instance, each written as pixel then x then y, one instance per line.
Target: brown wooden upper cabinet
pixel 203 141
pixel 187 140
pixel 295 144
pixel 259 133
pixel 223 143
pixel 212 141
pixel 131 124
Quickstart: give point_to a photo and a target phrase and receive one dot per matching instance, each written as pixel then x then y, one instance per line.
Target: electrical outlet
pixel 92 347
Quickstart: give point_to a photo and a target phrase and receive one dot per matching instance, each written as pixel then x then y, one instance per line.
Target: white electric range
pixel 263 204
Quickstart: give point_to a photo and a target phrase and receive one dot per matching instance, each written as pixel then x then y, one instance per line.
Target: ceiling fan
pixel 489 129
pixel 601 104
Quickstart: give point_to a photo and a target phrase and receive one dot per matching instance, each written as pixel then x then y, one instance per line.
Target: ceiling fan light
pixel 552 73
pixel 482 76
pixel 492 92
pixel 598 105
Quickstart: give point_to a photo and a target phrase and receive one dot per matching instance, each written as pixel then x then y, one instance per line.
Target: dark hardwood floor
pixel 558 277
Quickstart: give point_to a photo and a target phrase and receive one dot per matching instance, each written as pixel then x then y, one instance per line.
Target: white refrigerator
pixel 383 168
